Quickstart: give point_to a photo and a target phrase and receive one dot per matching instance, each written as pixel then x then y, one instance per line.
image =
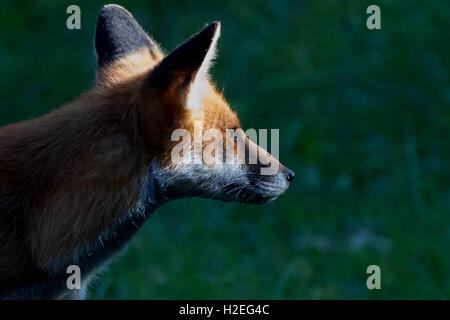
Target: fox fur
pixel 76 184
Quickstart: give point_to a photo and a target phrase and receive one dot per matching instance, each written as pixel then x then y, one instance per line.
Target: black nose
pixel 289 174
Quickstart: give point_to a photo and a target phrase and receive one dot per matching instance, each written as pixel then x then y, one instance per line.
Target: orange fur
pixel 67 177
pixel 76 169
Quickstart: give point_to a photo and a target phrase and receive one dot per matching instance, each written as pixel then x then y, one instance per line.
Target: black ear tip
pixel 214 26
pixel 114 9
pixel 117 34
pixel 112 15
pixel 209 31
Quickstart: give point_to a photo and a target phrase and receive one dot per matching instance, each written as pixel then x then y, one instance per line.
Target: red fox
pixel 76 184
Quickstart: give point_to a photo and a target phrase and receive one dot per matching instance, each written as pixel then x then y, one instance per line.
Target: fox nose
pixel 289 174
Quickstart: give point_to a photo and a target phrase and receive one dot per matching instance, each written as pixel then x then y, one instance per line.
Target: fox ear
pixel 118 34
pixel 186 68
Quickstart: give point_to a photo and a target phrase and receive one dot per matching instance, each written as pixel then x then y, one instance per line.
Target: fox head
pixel 193 138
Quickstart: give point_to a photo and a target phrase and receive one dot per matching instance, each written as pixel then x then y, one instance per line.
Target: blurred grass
pixel 364 122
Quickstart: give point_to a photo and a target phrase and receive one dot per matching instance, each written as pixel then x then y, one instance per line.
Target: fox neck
pixel 89 164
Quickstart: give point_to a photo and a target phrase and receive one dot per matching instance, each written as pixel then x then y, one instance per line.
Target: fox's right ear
pixel 185 70
pixel 118 34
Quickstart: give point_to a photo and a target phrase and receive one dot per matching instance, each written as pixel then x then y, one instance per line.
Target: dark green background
pixel 364 122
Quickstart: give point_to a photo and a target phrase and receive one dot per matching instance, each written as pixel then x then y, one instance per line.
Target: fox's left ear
pixel 118 34
pixel 185 70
